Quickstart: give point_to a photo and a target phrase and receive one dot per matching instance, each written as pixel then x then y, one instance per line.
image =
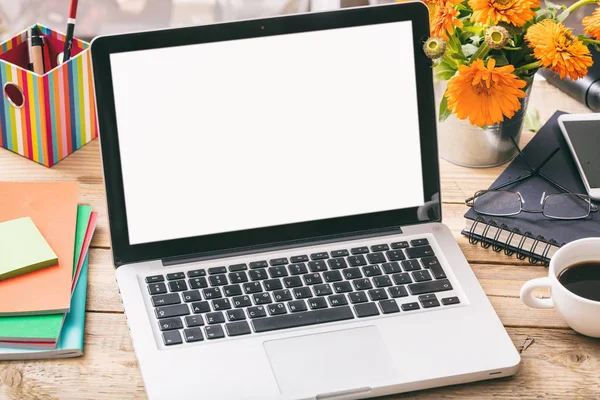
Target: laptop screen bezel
pixel 289 234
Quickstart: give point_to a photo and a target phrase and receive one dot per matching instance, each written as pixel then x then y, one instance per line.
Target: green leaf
pixel 443 72
pixel 455 45
pixel 469 49
pixel 481 52
pixel 444 112
pixel 551 5
pixel 532 120
pixel 501 60
pixel 450 61
pixel 457 56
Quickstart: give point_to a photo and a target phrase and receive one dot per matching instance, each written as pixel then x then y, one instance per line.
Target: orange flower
pixel 444 18
pixel 557 49
pixel 592 24
pixel 485 95
pixel 516 12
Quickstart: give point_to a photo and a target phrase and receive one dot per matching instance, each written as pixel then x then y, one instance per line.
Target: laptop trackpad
pixel 330 362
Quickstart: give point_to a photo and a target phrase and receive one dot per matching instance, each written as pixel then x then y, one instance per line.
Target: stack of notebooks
pixel 44 240
pixel 529 235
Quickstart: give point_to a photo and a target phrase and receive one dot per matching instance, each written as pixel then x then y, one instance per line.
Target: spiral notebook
pixel 528 235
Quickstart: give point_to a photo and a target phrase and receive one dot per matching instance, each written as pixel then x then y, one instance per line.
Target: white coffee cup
pixel 583 315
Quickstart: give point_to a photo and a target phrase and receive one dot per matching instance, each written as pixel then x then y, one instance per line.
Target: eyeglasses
pixel 563 206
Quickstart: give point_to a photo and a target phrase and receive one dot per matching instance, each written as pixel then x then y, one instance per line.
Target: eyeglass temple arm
pixel 470 199
pixel 593 207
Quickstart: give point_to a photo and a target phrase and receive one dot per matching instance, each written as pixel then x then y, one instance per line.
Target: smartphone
pixel 582 133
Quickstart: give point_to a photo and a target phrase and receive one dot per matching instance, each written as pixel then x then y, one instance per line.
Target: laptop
pixel 274 202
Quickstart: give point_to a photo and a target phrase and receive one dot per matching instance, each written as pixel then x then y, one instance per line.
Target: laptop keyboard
pixel 302 290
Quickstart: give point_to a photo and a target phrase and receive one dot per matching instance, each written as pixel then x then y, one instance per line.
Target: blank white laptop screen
pixel 235 135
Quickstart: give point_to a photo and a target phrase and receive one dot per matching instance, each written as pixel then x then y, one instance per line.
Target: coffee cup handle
pixel 528 298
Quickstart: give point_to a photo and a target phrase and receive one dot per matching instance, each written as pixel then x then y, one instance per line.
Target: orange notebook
pixel 53 208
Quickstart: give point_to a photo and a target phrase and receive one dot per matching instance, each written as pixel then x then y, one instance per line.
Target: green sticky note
pixel 23 249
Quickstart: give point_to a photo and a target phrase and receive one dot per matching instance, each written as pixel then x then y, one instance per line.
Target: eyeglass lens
pixel 497 202
pixel 566 206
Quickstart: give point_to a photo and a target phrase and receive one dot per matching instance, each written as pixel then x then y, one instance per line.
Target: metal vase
pixel 471 146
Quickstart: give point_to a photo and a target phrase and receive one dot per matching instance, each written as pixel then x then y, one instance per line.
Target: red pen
pixel 70 30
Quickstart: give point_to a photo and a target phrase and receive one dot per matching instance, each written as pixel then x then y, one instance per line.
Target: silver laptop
pixel 274 202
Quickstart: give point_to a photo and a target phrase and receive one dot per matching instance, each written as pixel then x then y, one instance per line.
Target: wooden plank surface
pixel 557 363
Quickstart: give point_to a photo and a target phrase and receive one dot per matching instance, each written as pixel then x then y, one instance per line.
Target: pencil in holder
pixel 46 117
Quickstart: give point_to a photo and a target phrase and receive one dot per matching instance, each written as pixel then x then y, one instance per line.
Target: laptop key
pixel 342 287
pixel 217 270
pixel 376 258
pixel 322 290
pixel 157 288
pixel 382 281
pixel 175 275
pixel 379 247
pixel 218 280
pixel 194 320
pixel 278 261
pixel 430 287
pixel 419 242
pixel 171 338
pixel 241 301
pixel 378 294
pixel 258 274
pixel 221 304
pixel 256 312
pixel 450 300
pixel 191 295
pixel 297 306
pixel 238 328
pixel 337 263
pixel 410 306
pixel 302 319
pixel 302 293
pixel 200 307
pixel 214 332
pixel 332 276
pixel 421 276
pixel 272 284
pixel 312 279
pixel 366 310
pixel 419 252
pixel 358 297
pixel 357 261
pixel 319 256
pixel 278 272
pixel 317 302
pixel 297 269
pixel 155 279
pixel 411 265
pixel 360 250
pixel 193 335
pixel 340 253
pixel 317 266
pixel 299 259
pixel 352 273
pixel 401 279
pixel 235 315
pixel 232 290
pixel 396 255
pixel 252 287
pixel 238 267
pixel 282 295
pixel 372 270
pixel 362 284
pixel 391 267
pixel 171 311
pixel 399 245
pixel 389 306
pixel 338 300
pixel 262 298
pixel 434 266
pixel 292 281
pixel 429 301
pixel 196 273
pixel 215 318
pixel 165 299
pixel 238 277
pixel 212 293
pixel 198 283
pixel 177 286
pixel 258 264
pixel 276 309
pixel 170 324
pixel 398 291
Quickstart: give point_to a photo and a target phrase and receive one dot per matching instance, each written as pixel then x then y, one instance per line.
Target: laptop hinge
pixel 279 246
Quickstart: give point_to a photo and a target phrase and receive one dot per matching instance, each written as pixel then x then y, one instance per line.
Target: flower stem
pixel 481 52
pixel 527 67
pixel 587 41
pixel 574 7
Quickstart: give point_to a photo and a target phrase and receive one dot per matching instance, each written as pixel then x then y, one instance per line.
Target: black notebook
pixel 530 235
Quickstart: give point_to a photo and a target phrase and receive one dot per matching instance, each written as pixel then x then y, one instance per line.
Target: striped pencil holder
pixel 46 117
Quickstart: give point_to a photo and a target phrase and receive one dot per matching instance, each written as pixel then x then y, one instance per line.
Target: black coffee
pixel 583 279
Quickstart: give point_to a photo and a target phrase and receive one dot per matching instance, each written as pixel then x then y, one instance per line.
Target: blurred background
pixel 96 17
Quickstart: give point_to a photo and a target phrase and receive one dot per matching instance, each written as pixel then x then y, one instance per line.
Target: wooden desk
pixel 557 363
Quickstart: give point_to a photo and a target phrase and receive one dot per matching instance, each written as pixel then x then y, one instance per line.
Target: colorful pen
pixel 70 30
pixel 37 51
